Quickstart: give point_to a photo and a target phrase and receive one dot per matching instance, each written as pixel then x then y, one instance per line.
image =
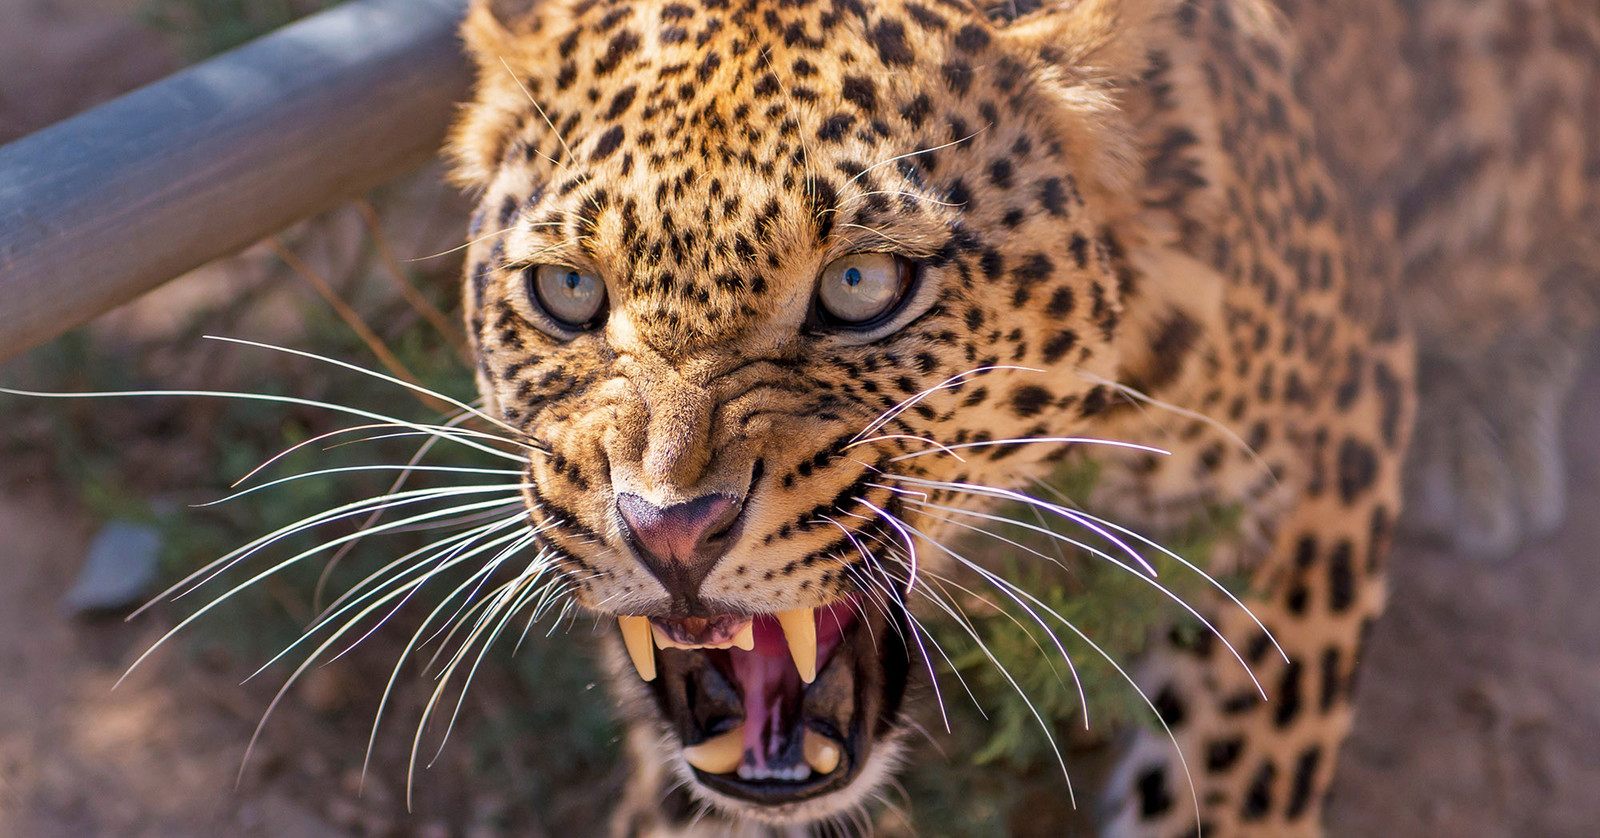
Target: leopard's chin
pixel 778 717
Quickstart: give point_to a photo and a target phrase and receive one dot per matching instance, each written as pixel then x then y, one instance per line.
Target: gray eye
pixel 573 297
pixel 862 287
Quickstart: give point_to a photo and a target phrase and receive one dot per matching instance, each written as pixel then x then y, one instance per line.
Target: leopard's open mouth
pixel 775 709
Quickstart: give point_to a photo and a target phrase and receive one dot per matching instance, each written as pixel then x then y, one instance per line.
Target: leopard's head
pixel 771 283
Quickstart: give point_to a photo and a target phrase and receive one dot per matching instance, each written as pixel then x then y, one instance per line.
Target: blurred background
pixel 1479 706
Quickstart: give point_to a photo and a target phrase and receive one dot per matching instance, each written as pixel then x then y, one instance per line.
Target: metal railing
pixel 103 207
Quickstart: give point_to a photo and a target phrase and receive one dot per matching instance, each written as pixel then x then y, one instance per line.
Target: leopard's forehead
pixel 706 158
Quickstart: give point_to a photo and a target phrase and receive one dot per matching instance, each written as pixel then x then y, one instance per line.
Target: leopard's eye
pixel 571 297
pixel 863 288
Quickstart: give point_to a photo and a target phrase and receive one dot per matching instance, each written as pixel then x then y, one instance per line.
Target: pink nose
pixel 681 543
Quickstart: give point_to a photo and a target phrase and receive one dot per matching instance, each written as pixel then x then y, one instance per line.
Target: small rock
pixel 118 571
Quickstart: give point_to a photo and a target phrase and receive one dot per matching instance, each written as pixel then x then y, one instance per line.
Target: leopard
pixel 785 294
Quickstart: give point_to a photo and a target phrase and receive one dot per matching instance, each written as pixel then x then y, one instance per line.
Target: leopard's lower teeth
pixel 821 753
pixel 792 774
pixel 719 754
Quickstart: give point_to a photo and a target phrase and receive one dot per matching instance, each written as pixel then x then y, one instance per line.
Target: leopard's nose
pixel 680 544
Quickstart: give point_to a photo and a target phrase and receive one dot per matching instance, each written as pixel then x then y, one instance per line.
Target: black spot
pixel 1029 399
pixel 621 102
pixel 1171 347
pixel 958 194
pixel 1331 679
pixel 1358 468
pixel 889 38
pixel 1379 532
pixel 916 112
pixel 1305 551
pixel 1391 398
pixel 860 91
pixel 1154 796
pixel 1305 776
pixel 1094 402
pixel 1061 302
pixel 1288 699
pixel 621 46
pixel 1059 345
pixel 1000 173
pixel 1341 579
pixel 1258 798
pixel 1171 707
pixel 834 127
pixel 707 67
pixel 925 17
pixel 1222 754
pixel 972 38
pixel 1080 250
pixel 992 264
pixel 607 144
pixel 1052 197
pixel 958 77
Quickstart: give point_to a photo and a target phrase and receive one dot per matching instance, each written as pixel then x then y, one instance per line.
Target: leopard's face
pixel 761 280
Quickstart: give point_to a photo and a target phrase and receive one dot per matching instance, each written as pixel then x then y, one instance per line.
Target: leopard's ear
pixel 1084 57
pixel 498 35
pixel 1103 36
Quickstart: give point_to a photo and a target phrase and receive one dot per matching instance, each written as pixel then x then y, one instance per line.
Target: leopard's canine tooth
pixel 719 754
pixel 800 630
pixel 821 753
pixel 746 638
pixel 636 636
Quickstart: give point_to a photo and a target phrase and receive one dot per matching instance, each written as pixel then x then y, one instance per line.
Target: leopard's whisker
pixel 897 192
pixel 1211 580
pixel 444 562
pixel 451 624
pixel 540 108
pixel 1154 583
pixel 898 157
pixel 290 681
pixel 353 469
pixel 1020 497
pixel 1048 440
pixel 1072 668
pixel 1186 413
pixel 470 242
pixel 911 401
pixel 912 437
pixel 1106 656
pixel 412 643
pixel 452 434
pixel 910 545
pixel 416 388
pixel 230 593
pixel 415 496
pixel 504 606
pixel 447 552
pixel 967 627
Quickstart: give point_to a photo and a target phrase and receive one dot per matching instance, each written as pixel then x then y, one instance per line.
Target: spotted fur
pixel 1181 223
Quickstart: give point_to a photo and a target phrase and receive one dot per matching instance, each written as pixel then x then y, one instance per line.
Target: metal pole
pixel 102 207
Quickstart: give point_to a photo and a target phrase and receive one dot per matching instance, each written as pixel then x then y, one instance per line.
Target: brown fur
pixel 1211 203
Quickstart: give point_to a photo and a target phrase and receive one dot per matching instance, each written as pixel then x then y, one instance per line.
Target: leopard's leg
pixel 1498 223
pixel 1261 766
pixel 1486 469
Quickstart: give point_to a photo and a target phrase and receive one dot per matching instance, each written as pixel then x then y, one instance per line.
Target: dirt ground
pixel 1479 707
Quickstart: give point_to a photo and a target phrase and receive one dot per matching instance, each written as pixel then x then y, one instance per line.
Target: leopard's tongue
pixel 771 687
